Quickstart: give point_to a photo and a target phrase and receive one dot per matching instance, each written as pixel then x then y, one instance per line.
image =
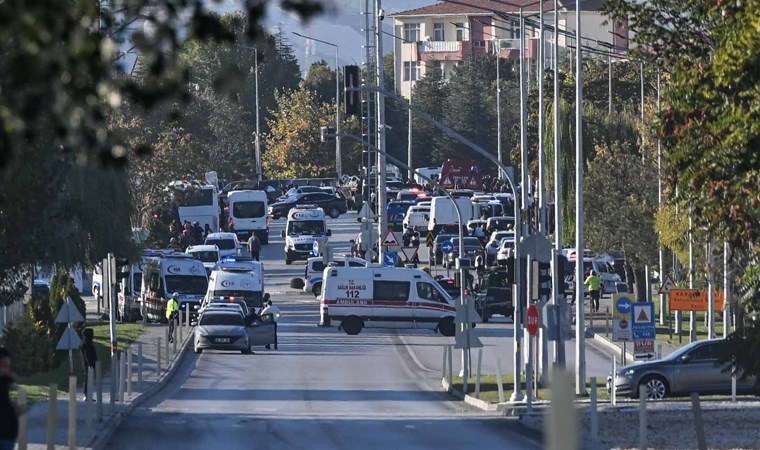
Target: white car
pixel 417 216
pixel 207 254
pixel 505 251
pixel 492 246
pixel 227 243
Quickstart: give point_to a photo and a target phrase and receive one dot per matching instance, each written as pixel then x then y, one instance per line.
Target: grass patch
pixel 489 391
pixel 38 385
pixel 663 331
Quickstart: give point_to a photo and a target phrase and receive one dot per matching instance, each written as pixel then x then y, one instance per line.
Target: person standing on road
pixel 8 411
pixel 172 311
pixel 89 357
pixel 594 283
pixel 254 246
pixel 275 312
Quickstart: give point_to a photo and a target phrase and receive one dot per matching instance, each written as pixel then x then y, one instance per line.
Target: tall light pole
pixel 540 76
pixel 258 132
pixel 559 277
pixel 338 156
pixel 382 219
pixel 580 320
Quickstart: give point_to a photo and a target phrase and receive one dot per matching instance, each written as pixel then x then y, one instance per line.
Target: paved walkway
pixel 37 416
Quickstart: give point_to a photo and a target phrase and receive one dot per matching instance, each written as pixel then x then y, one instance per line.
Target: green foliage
pixel 33 349
pixel 320 79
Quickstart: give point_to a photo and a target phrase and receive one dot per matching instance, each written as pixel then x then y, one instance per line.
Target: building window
pixel 411 70
pixel 460 31
pixel 439 68
pixel 411 32
pixel 438 34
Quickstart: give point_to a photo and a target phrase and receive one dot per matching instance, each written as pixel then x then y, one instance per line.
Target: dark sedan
pixel 332 205
pixel 695 367
pixel 472 249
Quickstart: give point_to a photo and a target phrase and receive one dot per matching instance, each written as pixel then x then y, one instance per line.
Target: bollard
pixel 114 377
pixel 99 384
pixel 613 394
pixel 139 365
pixel 122 371
pixel 174 346
pixel 187 316
pixel 22 422
pixel 607 322
pixel 562 426
pixel 72 412
pixel 89 410
pixel 733 388
pixel 698 422
pixel 499 384
pixel 180 327
pixel 642 418
pixel 443 364
pixel 158 358
pixel 129 372
pixel 167 346
pixel 477 373
pixel 594 414
pixel 659 351
pixel 52 415
pixel 451 370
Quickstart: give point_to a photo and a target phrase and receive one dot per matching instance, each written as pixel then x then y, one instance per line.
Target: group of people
pixel 189 234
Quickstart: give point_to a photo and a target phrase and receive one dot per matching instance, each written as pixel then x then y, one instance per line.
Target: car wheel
pixel 317 289
pixel 656 387
pixel 246 351
pixel 486 317
pixel 446 327
pixel 288 261
pixel 334 213
pixel 352 326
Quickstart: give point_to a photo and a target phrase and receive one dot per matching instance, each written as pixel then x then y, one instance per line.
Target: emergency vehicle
pixel 168 273
pixel 128 297
pixel 236 282
pixel 306 224
pixel 248 212
pixel 377 297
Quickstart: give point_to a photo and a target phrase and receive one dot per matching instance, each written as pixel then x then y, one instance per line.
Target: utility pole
pixel 382 222
pixel 580 320
pixel 338 154
pixel 726 296
pixel 710 292
pixel 692 314
pixel 540 77
pixel 498 105
pixel 410 173
pixel 559 283
pixel 659 205
pixel 519 294
pixel 258 131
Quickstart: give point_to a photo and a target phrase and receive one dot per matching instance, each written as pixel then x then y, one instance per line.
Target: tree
pixel 320 79
pixel 294 146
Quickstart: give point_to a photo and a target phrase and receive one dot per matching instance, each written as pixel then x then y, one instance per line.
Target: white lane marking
pixel 413 354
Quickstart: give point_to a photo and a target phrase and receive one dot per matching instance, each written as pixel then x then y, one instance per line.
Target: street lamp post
pixel 258 133
pixel 580 321
pixel 338 156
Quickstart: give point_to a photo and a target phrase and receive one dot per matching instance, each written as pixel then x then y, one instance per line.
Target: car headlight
pixel 202 332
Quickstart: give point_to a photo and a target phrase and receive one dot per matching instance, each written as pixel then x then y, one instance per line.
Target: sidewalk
pixel 37 416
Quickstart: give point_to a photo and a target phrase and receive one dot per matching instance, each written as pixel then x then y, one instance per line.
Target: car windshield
pixel 300 227
pixel 681 351
pixel 222 319
pixel 248 210
pixel 223 244
pixel 407 196
pixel 186 284
pixel 207 256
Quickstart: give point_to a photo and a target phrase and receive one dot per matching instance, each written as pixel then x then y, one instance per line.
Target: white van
pixel 207 254
pixel 248 212
pixel 238 283
pixel 169 273
pixel 443 212
pixel 417 216
pixel 377 297
pixel 429 172
pixel 306 224
pixel 315 268
pixel 128 297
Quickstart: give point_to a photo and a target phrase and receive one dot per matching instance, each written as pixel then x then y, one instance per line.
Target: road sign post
pixel 70 340
pixel 390 259
pixel 532 321
pixel 642 318
pixel 622 305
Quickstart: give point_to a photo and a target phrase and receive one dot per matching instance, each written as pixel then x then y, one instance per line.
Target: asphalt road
pixel 321 389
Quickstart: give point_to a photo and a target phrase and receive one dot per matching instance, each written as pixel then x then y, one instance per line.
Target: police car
pixel 377 297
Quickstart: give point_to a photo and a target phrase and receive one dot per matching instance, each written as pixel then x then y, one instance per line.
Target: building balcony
pixel 440 50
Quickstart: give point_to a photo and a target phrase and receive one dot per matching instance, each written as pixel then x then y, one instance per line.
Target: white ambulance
pixel 238 283
pixel 170 273
pixel 377 297
pixel 306 224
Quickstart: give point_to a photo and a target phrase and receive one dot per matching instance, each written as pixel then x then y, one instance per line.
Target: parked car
pixel 333 205
pixel 472 249
pixel 693 368
pixel 505 250
pixel 494 294
pixel 492 246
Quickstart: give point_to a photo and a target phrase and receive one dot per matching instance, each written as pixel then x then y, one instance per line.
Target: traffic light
pixel 353 99
pixel 544 280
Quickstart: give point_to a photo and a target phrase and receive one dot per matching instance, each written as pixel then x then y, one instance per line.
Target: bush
pixel 296 283
pixel 32 347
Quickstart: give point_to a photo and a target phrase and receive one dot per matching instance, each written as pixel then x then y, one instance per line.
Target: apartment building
pixel 439 36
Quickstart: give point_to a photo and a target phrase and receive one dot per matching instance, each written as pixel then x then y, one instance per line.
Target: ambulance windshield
pixel 301 227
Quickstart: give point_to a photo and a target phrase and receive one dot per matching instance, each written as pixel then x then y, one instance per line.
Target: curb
pixel 612 347
pixel 101 438
pixel 508 409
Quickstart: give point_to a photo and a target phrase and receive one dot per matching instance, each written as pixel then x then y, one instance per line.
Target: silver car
pixel 221 330
pixel 693 368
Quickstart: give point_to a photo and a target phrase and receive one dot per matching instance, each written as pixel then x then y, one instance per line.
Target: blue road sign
pixel 315 248
pixel 623 306
pixel 390 259
pixel 642 316
pixel 447 247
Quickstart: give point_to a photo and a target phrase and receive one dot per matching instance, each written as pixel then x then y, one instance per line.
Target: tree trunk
pixel 640 284
pixel 628 275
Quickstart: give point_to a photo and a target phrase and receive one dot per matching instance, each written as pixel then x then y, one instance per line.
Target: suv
pixel 494 295
pixel 333 205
